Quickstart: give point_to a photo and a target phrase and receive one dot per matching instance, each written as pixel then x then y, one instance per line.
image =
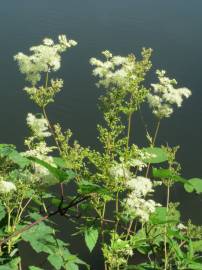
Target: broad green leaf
pixel 19 159
pixel 59 174
pixel 6 149
pixel 194 184
pixel 195 266
pixel 158 155
pixel 12 265
pixel 56 261
pixel 167 174
pixel 59 162
pixel 87 187
pixel 9 151
pixel 161 216
pixel 71 266
pixel 91 237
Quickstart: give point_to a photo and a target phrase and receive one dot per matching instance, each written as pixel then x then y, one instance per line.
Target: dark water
pixel 172 28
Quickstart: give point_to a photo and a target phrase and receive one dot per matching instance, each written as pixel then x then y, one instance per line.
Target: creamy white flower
pixel 39 126
pixel 119 171
pixel 140 207
pixel 41 149
pixel 140 186
pixel 48 41
pixel 107 54
pixel 72 43
pixel 139 164
pixel 165 95
pixel 119 60
pixel 6 186
pixel 44 58
pixel 181 226
pixel 116 71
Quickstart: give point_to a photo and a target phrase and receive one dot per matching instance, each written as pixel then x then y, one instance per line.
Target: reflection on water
pixel 171 28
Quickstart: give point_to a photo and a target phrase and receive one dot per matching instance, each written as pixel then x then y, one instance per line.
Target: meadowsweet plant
pixel 108 195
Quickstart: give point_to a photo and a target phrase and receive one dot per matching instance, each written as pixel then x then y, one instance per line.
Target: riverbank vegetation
pixel 109 195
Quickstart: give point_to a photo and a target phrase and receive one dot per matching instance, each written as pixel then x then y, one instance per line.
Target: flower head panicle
pixel 7 187
pixel 119 171
pixel 114 70
pixel 107 54
pixel 140 185
pixel 39 150
pixel 165 95
pixel 136 204
pixel 48 42
pixel 44 58
pixel 138 164
pixel 39 126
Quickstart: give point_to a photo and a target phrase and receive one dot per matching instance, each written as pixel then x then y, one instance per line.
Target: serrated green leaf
pixel 59 174
pixel 195 266
pixel 91 237
pixel 158 155
pixel 71 266
pixel 12 265
pixel 9 151
pixel 87 187
pixel 56 261
pixel 167 174
pixel 161 216
pixel 18 159
pixel 194 184
pixel 6 149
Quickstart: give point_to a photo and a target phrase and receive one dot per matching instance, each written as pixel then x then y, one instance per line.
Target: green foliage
pixel 91 237
pixel 9 152
pixel 59 174
pixel 108 195
pixel 194 184
pixel 157 155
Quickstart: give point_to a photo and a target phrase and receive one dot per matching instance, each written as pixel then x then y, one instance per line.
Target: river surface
pixel 172 28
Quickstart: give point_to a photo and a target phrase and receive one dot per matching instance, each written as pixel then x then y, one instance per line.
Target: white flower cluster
pixel 39 126
pixel 115 70
pixel 136 204
pixel 140 186
pixel 44 58
pixel 138 164
pixel 165 95
pixel 6 187
pixel 41 151
pixel 181 226
pixel 119 171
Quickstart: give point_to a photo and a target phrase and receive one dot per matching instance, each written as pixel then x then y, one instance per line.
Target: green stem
pixel 153 144
pixel 129 128
pixel 117 210
pixel 165 230
pixel 129 229
pixel 156 132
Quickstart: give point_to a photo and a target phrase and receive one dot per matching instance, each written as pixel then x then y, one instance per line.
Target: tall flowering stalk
pixel 113 194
